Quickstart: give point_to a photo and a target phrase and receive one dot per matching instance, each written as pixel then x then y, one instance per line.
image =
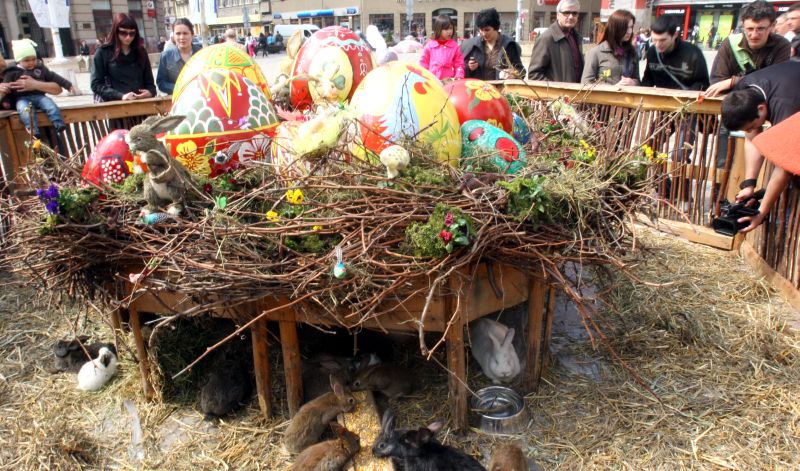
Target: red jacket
pixel 443 60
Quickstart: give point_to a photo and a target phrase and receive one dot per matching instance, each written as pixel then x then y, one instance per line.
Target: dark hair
pixel 757 11
pixel 793 7
pixel 664 24
pixel 488 17
pixel 184 22
pixel 616 29
pixel 740 107
pixel 121 20
pixel 441 23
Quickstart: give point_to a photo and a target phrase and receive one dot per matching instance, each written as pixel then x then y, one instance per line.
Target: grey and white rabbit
pixel 167 179
pixel 330 455
pixel 69 356
pixel 229 381
pixel 418 450
pixel 95 374
pixel 312 419
pixel 508 457
pixel 390 380
pixel 317 370
pixel 492 346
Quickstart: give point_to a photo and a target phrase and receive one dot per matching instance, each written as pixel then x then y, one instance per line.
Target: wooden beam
pixel 261 366
pixel 690 232
pixel 292 365
pixel 535 337
pixel 141 353
pixel 784 286
pixel 456 304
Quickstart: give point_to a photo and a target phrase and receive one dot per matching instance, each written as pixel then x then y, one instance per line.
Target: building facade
pixel 89 20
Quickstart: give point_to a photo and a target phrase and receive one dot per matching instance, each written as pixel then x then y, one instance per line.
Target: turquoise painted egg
pixel 490 148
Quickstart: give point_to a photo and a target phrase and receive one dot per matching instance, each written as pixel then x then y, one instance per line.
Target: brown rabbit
pixel 508 457
pixel 310 421
pixel 167 179
pixel 330 455
pixel 390 380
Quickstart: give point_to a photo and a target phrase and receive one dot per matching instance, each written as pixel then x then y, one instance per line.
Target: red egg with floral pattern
pixel 476 99
pixel 111 160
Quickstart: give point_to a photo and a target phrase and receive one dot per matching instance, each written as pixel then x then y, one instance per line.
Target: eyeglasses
pixel 569 13
pixel 759 29
pixel 129 34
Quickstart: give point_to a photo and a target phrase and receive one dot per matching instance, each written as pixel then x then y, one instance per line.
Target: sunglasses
pixel 129 34
pixel 569 13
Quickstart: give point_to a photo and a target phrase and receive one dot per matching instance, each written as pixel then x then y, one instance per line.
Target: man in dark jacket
pixel 491 55
pixel 557 55
pixel 793 20
pixel 671 62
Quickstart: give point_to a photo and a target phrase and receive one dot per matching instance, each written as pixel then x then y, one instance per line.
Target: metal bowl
pixel 498 409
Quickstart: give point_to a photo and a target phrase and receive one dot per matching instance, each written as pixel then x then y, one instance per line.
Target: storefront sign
pixel 314 13
pixel 277 16
pixel 673 11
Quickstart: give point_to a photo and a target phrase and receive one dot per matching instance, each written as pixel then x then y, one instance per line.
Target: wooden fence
pixel 670 121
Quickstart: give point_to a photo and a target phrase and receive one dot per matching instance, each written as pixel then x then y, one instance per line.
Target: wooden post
pixel 141 353
pixel 536 329
pixel 261 366
pixel 456 360
pixel 292 365
pixel 116 325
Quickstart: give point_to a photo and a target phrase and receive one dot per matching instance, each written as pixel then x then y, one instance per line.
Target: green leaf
pixel 222 202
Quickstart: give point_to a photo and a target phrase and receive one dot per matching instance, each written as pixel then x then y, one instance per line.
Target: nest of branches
pixel 343 237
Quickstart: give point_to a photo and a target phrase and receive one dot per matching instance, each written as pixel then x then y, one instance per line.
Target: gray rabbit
pixel 167 179
pixel 229 381
pixel 69 356
pixel 393 381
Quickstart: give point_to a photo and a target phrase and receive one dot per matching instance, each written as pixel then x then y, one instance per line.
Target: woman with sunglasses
pixel 614 60
pixel 122 69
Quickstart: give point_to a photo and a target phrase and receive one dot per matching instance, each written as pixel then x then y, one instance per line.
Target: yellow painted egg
pixel 400 100
pixel 221 56
pixel 227 118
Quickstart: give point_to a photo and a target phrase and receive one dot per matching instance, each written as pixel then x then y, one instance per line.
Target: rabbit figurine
pixel 417 450
pixel 312 419
pixel 69 355
pixel 96 373
pixel 167 179
pixel 390 380
pixel 330 455
pixel 229 382
pixel 493 349
pixel 508 457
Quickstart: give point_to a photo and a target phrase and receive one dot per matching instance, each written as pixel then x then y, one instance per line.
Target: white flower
pixel 256 148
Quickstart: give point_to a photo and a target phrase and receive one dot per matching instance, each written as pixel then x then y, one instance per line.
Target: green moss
pixel 527 199
pixel 75 204
pixel 424 240
pixel 133 184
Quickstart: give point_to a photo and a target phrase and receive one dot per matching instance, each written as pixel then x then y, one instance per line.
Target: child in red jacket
pixel 441 55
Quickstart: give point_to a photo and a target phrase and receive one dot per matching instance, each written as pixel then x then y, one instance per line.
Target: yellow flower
pixel 605 74
pixel 648 152
pixel 317 228
pixel 294 196
pixel 273 216
pixel 37 144
pixel 483 90
pixel 661 158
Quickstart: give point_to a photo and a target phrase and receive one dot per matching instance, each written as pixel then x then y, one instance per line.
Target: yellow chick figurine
pixel 322 133
pixel 394 158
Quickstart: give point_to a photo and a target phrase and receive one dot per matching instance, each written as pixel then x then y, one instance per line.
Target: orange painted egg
pixel 335 54
pixel 111 160
pixel 221 56
pixel 398 101
pixel 476 99
pixel 225 114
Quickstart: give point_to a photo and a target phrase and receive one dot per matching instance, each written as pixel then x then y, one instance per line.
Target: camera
pixel 728 222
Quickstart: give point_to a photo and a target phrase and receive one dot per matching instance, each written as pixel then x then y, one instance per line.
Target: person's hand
pixel 129 96
pixel 625 81
pixel 718 88
pixel 472 63
pixel 75 90
pixel 754 221
pixel 25 84
pixel 745 194
pixel 5 88
pixel 143 94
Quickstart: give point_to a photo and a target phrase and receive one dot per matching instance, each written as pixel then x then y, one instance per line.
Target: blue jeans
pixel 40 103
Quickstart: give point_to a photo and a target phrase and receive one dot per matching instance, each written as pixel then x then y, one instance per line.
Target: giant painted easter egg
pixel 476 99
pixel 285 159
pixel 111 160
pixel 491 148
pixel 522 132
pixel 221 56
pixel 399 101
pixel 227 116
pixel 335 54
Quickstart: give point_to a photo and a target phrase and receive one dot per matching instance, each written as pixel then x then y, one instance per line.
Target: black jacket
pixel 127 73
pixel 779 84
pixel 684 63
pixel 39 72
pixel 475 47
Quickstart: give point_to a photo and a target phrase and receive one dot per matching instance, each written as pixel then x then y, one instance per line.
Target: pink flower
pixel 446 236
pixel 448 219
pixel 135 277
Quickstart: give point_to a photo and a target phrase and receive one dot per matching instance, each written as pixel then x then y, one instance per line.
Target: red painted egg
pixel 111 160
pixel 335 54
pixel 476 99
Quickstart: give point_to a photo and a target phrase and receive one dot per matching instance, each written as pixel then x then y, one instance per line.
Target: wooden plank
pixel 116 326
pixel 365 421
pixel 535 343
pixel 456 353
pixel 260 340
pixel 292 366
pixel 141 353
pixel 690 232
pixel 784 286
pixel 548 329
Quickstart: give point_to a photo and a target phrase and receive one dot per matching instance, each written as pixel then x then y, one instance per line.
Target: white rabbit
pixel 96 373
pixel 493 349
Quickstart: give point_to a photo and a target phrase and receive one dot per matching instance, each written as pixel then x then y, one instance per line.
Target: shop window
pixel 384 22
pixel 101 11
pixel 417 25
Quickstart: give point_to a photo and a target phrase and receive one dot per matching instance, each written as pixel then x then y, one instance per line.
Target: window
pixel 384 21
pixel 101 10
pixel 417 25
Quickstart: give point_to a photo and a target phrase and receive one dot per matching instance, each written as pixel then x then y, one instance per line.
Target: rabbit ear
pixel 166 123
pixel 424 435
pixel 435 427
pixel 509 337
pixel 336 385
pixel 387 422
